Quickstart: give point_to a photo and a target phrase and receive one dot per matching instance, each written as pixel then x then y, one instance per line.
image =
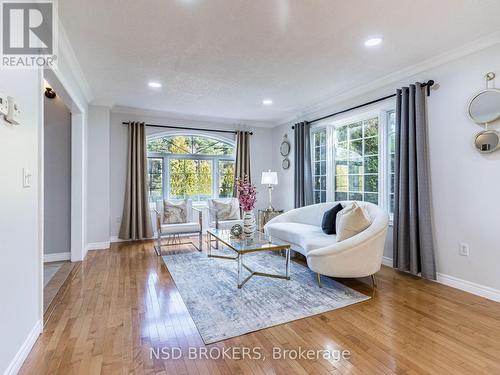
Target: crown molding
pixel 68 53
pixel 192 118
pixel 322 106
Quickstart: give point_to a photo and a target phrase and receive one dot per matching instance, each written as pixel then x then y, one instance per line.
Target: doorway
pixel 56 194
pixel 62 188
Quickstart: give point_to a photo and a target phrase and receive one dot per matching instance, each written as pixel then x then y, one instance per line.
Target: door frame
pixel 78 170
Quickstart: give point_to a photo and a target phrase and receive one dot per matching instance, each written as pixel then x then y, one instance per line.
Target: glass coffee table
pixel 260 242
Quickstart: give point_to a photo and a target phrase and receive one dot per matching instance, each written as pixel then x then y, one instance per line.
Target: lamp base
pixel 270 208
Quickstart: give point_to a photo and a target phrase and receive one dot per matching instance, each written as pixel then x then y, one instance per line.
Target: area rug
pixel 208 287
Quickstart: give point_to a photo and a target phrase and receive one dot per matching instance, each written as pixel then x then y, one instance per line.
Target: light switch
pixel 26 178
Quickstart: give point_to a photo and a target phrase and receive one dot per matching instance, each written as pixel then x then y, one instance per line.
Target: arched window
pixel 190 166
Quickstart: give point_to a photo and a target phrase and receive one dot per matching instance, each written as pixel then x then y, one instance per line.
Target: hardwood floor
pixel 121 303
pixel 53 286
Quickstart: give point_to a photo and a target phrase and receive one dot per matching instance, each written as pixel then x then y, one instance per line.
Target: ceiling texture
pixel 221 58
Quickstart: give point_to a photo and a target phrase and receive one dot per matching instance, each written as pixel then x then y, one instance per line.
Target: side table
pixel 265 215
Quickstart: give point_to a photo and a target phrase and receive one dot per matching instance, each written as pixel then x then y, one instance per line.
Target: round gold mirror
pixel 487 141
pixel 485 106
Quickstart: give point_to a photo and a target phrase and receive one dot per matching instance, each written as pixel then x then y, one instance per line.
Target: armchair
pixel 216 221
pixel 172 232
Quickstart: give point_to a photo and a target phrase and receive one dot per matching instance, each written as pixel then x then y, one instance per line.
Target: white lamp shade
pixel 269 178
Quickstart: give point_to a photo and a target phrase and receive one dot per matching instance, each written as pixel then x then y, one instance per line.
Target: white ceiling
pixel 221 58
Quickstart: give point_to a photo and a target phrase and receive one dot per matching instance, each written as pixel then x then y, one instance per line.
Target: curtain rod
pixel 187 128
pixel 427 84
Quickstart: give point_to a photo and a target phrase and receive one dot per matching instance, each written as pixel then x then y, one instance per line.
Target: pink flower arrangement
pixel 246 193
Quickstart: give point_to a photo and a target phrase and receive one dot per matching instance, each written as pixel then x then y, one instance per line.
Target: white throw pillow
pixel 351 222
pixel 227 210
pixel 345 210
pixel 174 212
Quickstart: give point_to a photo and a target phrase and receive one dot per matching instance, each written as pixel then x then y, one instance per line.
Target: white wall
pixel 19 207
pixel 69 82
pixel 57 177
pixel 283 195
pixel 465 184
pixel 98 219
pixel 98 204
pixel 21 219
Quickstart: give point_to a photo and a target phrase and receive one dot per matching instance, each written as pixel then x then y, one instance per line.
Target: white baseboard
pixel 98 245
pixel 24 350
pixel 116 239
pixel 469 286
pixel 386 261
pixel 56 257
pixel 455 282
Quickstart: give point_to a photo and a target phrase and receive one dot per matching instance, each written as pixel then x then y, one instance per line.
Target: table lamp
pixel 270 179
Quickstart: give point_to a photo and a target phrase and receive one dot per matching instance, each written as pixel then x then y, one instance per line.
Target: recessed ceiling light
pixel 267 102
pixel 154 84
pixel 372 42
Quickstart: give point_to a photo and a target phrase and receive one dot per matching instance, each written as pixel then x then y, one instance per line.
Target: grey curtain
pixel 302 165
pixel 413 238
pixel 136 222
pixel 242 167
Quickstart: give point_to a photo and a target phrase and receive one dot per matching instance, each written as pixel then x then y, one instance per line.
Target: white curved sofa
pixel 358 256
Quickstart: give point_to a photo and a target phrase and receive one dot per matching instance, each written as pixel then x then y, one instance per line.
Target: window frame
pixel 388 160
pixel 313 161
pixel 167 157
pixel 381 111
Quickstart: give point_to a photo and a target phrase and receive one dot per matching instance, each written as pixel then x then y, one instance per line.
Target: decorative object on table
pixel 285 149
pixel 266 215
pixel 270 179
pixel 249 224
pixel 237 231
pixel 484 108
pixel 220 310
pixel 247 196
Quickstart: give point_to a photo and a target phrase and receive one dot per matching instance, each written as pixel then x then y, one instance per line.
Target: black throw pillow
pixel 330 219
